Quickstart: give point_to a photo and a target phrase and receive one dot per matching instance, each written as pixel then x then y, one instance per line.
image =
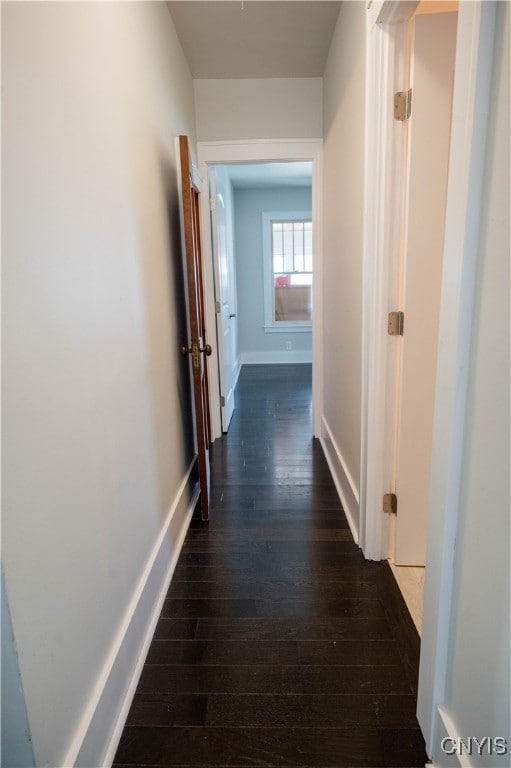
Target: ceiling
pixel 256 175
pixel 253 38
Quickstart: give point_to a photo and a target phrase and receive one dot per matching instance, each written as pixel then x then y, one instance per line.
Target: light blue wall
pixel 254 344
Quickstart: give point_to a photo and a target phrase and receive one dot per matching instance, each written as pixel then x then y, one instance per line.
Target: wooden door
pixel 197 346
pixel 434 47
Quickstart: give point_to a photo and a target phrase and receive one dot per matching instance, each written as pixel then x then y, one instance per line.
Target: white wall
pixel 97 440
pixel 478 671
pixel 16 748
pixel 343 173
pixel 255 345
pixel 278 108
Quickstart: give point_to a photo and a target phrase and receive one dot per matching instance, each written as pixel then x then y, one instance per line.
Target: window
pixel 287 241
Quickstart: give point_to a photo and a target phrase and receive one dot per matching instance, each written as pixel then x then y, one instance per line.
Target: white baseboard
pixel 238 371
pixel 344 483
pixel 97 737
pixel 444 727
pixel 278 357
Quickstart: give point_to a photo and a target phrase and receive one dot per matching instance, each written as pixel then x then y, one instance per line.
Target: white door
pixel 225 288
pixel 432 74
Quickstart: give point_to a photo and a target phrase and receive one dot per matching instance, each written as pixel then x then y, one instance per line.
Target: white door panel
pixel 433 55
pixel 225 289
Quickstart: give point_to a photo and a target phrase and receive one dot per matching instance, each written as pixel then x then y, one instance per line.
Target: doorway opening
pixel 386 44
pixel 261 232
pixel 430 76
pixel 406 275
pixel 262 246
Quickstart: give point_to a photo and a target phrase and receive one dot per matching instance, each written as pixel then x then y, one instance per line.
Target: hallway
pixel 98 435
pixel 278 645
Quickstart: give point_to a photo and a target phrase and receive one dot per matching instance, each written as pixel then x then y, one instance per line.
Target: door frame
pixel 265 151
pixel 386 46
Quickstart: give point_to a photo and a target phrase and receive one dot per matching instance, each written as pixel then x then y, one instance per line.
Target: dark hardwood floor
pixel 278 644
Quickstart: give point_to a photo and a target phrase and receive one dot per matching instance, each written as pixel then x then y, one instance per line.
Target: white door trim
pixel 260 151
pixel 385 145
pixel 472 86
pixel 464 198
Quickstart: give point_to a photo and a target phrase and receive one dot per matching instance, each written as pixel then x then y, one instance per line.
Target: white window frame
pixel 270 324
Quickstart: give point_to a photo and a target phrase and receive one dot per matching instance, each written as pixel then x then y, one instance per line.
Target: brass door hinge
pixel 390 503
pixel 396 323
pixel 218 307
pixel 403 105
pixel 222 401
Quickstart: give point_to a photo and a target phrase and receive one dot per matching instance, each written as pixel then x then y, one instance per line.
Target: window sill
pixel 284 327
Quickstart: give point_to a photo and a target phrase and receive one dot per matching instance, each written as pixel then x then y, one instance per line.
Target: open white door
pixel 432 75
pixel 225 289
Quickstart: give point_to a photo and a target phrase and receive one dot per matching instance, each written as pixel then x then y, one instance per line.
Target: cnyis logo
pixel 487 745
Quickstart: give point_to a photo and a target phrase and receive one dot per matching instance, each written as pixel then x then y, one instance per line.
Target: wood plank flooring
pixel 278 645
